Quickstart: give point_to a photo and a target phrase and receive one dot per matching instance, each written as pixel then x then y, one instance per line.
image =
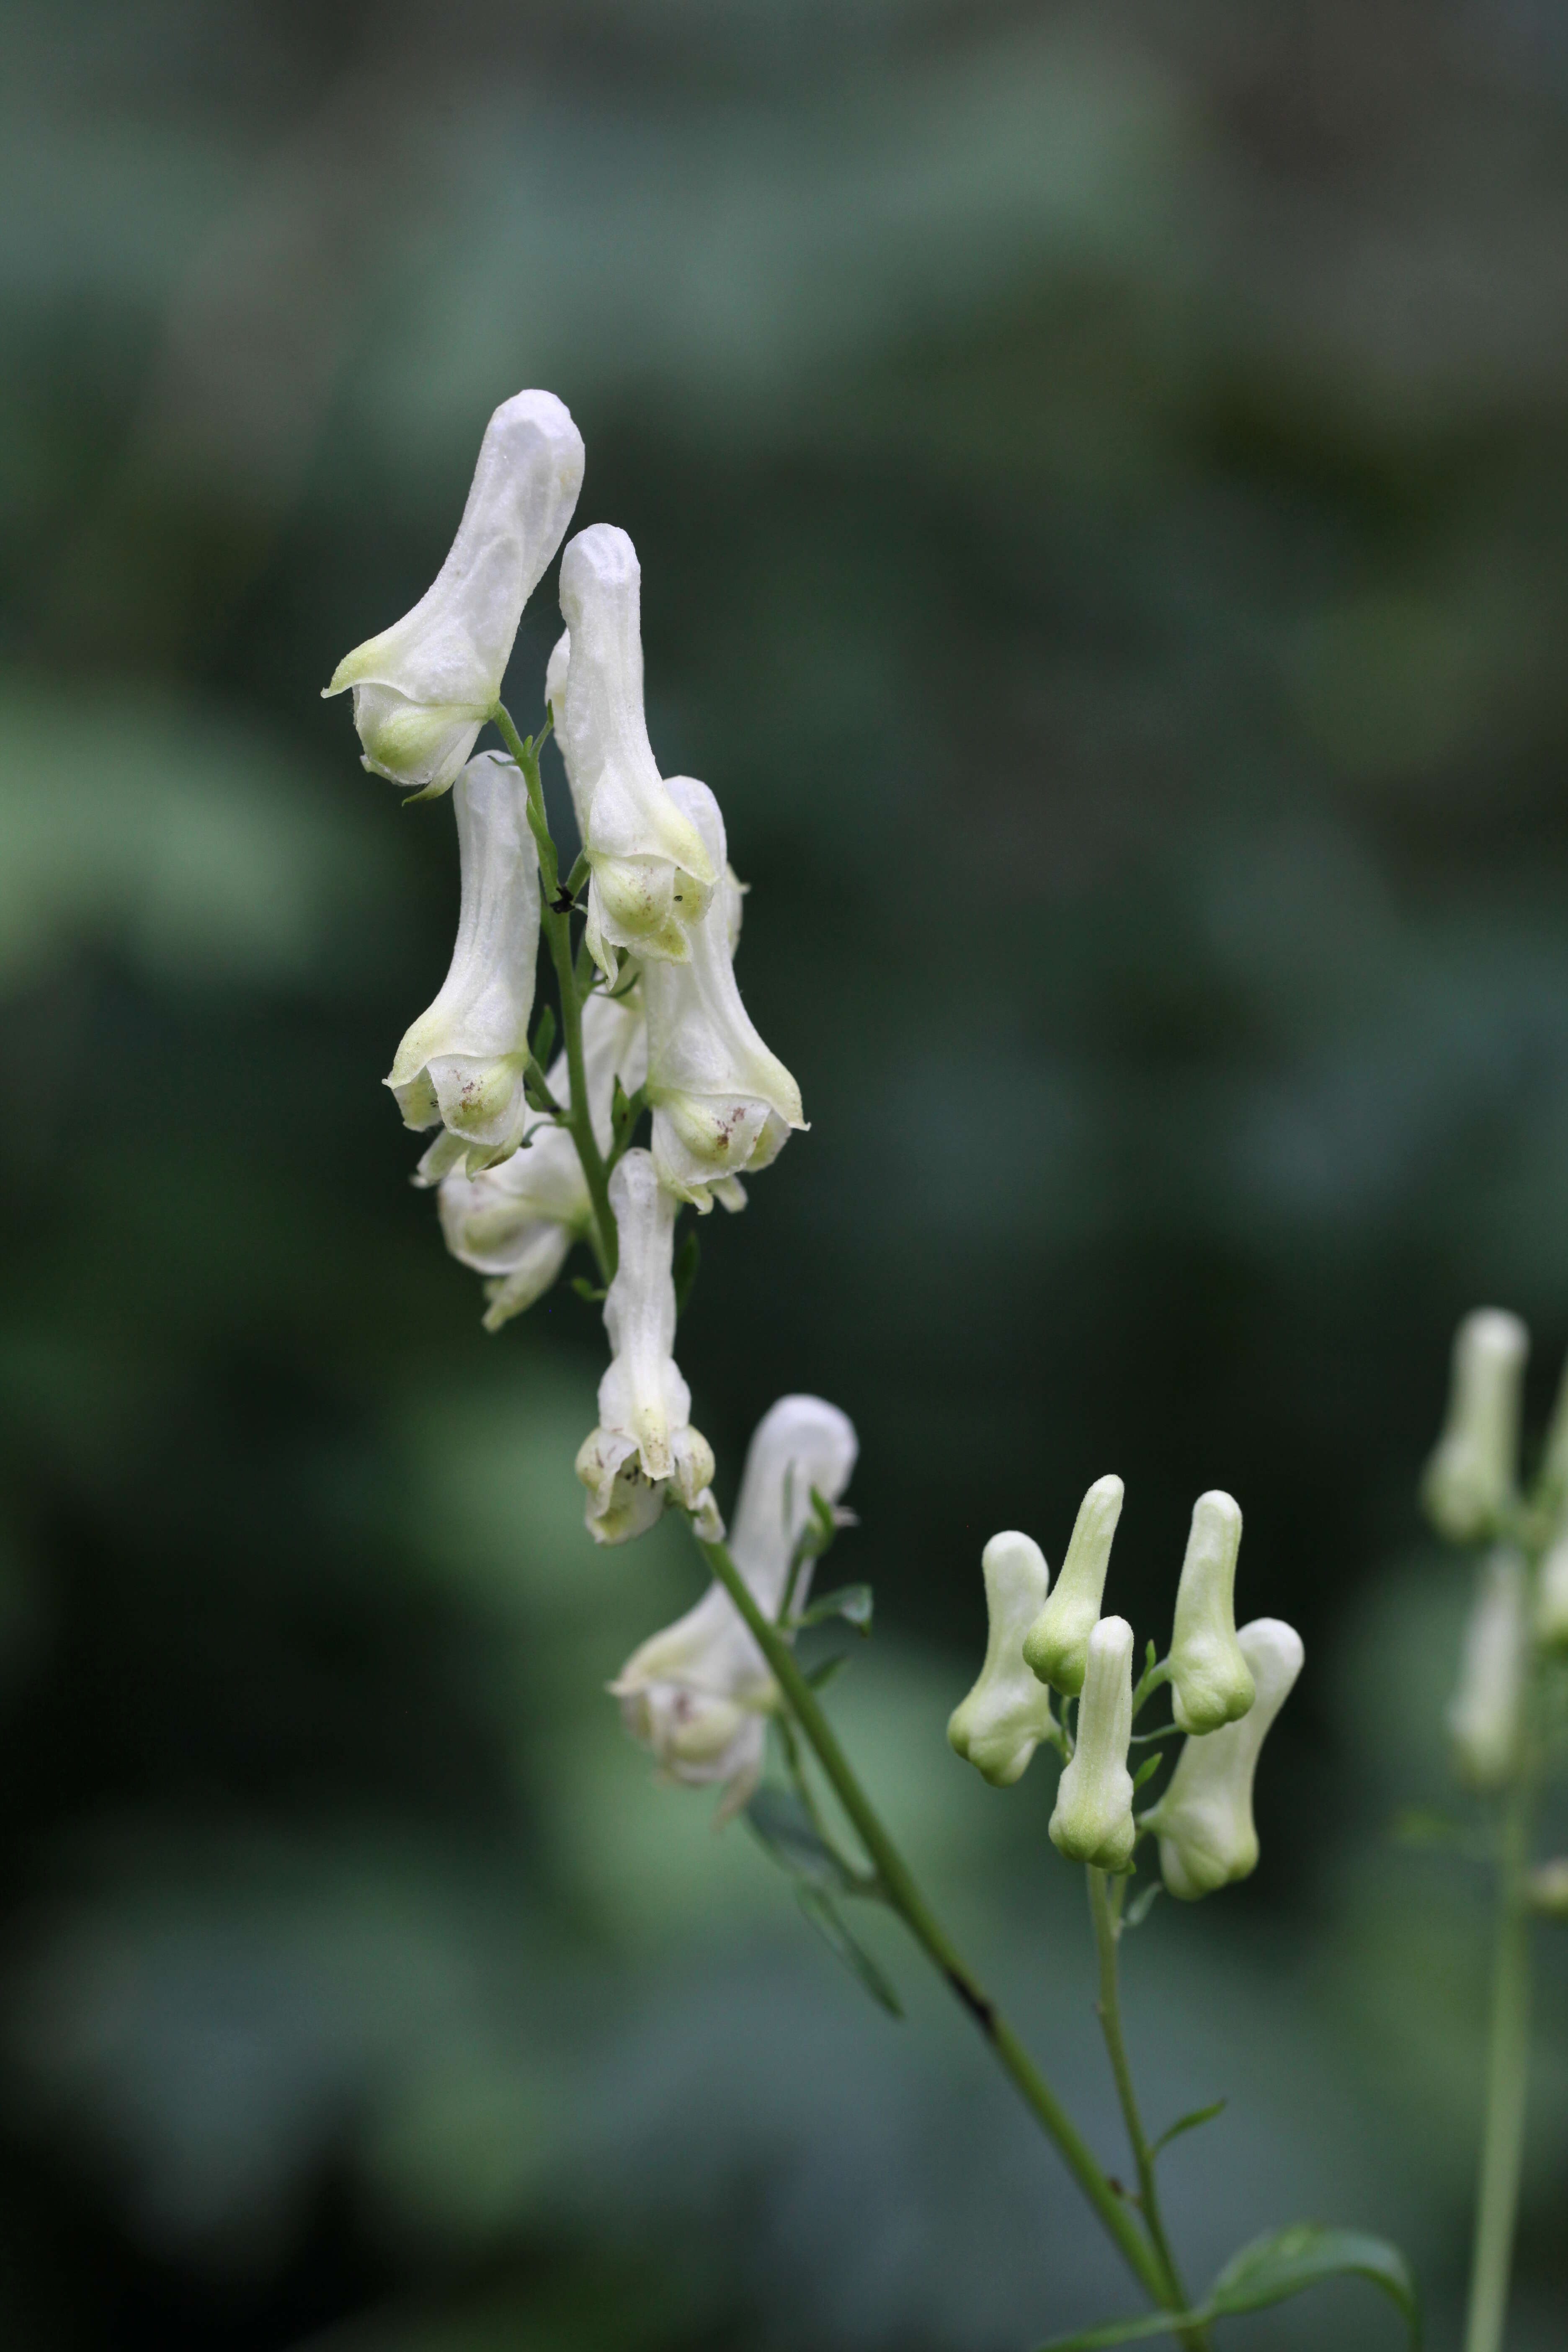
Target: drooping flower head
pixel 1205 1818
pixel 651 873
pixel 1092 1821
pixel 517 1223
pixel 698 1694
pixel 462 1061
pixel 1007 1713
pixel 1056 1645
pixel 1210 1683
pixel 645 1442
pixel 424 688
pixel 722 1104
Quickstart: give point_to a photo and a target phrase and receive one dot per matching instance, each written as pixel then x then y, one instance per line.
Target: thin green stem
pixel 556 922
pixel 1105 1913
pixel 1507 2079
pixel 899 1885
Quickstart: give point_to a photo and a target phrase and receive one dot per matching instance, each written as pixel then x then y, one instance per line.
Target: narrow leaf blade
pixel 825 1918
pixel 853 1602
pixel 1282 2263
pixel 783 1827
pixel 1130 2331
pixel 1186 2124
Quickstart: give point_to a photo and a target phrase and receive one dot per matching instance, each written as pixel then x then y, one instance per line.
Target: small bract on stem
pixel 540 1147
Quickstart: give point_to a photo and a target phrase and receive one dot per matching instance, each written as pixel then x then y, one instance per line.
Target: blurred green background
pixel 1101 480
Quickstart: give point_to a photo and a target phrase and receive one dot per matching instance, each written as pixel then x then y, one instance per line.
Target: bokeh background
pixel 1101 479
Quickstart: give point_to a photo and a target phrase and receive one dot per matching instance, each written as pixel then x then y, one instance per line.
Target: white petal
pixel 800 1443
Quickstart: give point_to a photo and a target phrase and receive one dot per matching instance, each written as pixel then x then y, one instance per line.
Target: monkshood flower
pixel 1093 1821
pixel 722 1104
pixel 644 1442
pixel 698 1694
pixel 462 1061
pixel 1484 1718
pixel 1007 1713
pixel 1056 1645
pixel 1471 1474
pixel 425 687
pixel 1210 1682
pixel 651 875
pixel 518 1222
pixel 1204 1818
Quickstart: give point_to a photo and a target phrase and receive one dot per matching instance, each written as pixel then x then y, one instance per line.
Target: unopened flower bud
pixel 1208 1838
pixel 1007 1713
pixel 1056 1645
pixel 722 1104
pixel 462 1061
pixel 1547 1888
pixel 1484 1718
pixel 1210 1683
pixel 425 687
pixel 1472 1475
pixel 651 874
pixel 645 1442
pixel 1092 1821
pixel 1551 1597
pixel 698 1694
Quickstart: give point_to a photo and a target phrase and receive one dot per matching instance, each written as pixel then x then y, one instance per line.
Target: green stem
pixel 557 926
pixel 901 1891
pixel 1507 2075
pixel 1109 2009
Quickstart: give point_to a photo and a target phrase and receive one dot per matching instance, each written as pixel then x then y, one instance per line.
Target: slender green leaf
pixel 688 1257
pixel 1127 2331
pixel 1186 2124
pixel 586 1290
pixel 1146 1772
pixel 1142 1903
pixel 825 1918
pixel 783 1827
pixel 1281 2265
pixel 853 1602
pixel 820 1677
pixel 544 1037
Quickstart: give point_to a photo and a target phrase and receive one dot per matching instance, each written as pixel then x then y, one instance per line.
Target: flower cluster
pixel 1226 1690
pixel 528 1160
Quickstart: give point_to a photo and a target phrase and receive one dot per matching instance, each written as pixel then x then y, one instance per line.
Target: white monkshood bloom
pixel 1484 1718
pixel 651 875
pixel 518 1222
pixel 698 1694
pixel 462 1061
pixel 645 1442
pixel 1551 1597
pixel 1210 1680
pixel 425 687
pixel 1007 1713
pixel 1471 1474
pixel 1057 1643
pixel 722 1104
pixel 1093 1821
pixel 1205 1818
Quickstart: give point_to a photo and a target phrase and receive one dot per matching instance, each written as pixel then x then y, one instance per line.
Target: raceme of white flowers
pixel 1226 1690
pixel 700 1693
pixel 1203 1821
pixel 423 688
pixel 461 1064
pixel 1472 1475
pixel 644 1442
pixel 1007 1713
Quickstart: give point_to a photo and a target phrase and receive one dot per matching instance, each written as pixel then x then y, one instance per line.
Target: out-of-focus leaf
pixel 853 1602
pixel 782 1824
pixel 1187 2123
pixel 824 1917
pixel 1268 2271
pixel 688 1258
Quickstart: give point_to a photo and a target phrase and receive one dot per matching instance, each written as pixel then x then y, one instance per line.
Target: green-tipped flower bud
pixel 1056 1645
pixel 1204 1818
pixel 1548 1888
pixel 1007 1713
pixel 1471 1474
pixel 1093 1817
pixel 1210 1682
pixel 1551 1598
pixel 1484 1719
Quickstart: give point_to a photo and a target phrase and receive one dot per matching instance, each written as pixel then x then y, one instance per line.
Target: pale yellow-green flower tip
pixel 1056 1645
pixel 1093 1821
pixel 1007 1713
pixel 1210 1682
pixel 1472 1475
